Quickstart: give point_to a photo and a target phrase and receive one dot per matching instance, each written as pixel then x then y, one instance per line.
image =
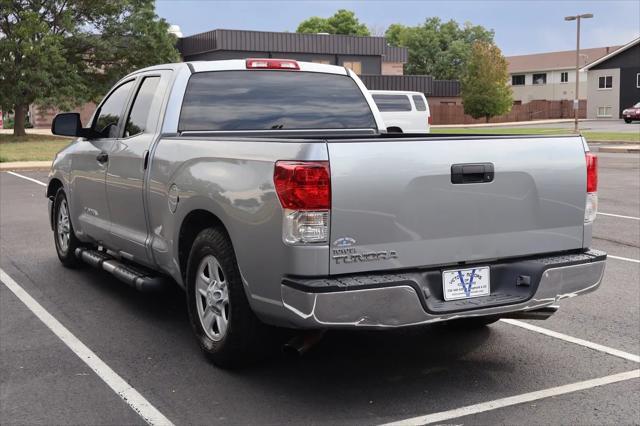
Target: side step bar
pixel 128 274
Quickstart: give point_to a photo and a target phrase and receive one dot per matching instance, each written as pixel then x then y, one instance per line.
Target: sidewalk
pixel 25 165
pixel 509 123
pixel 32 131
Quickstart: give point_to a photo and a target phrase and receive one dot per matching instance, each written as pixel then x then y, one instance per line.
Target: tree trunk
pixel 20 111
pixel 486 118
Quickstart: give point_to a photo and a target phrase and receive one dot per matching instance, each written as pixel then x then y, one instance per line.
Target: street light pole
pixel 576 101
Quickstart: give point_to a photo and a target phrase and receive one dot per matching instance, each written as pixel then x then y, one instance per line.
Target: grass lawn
pixel 590 136
pixel 30 148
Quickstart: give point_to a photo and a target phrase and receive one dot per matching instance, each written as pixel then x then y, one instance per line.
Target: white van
pixel 403 112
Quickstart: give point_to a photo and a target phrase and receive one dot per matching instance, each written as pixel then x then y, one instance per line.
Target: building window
pixel 354 66
pixel 604 111
pixel 321 61
pixel 517 80
pixel 605 82
pixel 517 102
pixel 540 78
pixel 638 80
pixel 564 77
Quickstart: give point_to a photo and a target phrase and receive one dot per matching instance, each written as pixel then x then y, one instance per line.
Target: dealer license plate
pixel 466 283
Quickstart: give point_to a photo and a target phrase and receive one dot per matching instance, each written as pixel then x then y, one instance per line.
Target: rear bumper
pixel 415 297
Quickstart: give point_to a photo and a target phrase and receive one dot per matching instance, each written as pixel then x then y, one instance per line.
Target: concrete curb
pixel 619 149
pixel 25 165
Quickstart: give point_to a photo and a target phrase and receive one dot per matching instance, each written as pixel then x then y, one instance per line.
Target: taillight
pixel 304 191
pixel 591 207
pixel 429 120
pixel 592 172
pixel 272 64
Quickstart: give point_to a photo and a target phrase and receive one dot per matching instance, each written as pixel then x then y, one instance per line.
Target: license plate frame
pixel 467 283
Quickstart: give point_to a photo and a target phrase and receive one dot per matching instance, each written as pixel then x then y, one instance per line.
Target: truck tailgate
pixel 394 204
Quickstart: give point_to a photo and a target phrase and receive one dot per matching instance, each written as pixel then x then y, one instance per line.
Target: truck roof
pixel 395 92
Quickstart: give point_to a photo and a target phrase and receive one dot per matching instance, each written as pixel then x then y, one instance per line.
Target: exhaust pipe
pixel 536 314
pixel 300 344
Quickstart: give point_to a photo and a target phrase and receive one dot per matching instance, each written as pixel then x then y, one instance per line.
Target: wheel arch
pixel 394 129
pixel 193 223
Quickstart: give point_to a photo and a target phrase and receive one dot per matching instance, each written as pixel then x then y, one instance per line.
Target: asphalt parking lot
pixel 585 125
pixel 584 373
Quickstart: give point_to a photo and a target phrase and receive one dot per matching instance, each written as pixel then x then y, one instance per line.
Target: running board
pixel 135 277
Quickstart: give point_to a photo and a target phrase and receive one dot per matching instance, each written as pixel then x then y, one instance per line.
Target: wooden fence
pixel 534 110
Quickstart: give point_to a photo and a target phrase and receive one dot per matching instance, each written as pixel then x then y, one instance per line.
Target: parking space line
pixel 610 256
pixel 517 399
pixel 619 215
pixel 595 346
pixel 27 178
pixel 129 395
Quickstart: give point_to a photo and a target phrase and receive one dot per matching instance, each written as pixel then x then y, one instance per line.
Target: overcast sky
pixel 521 27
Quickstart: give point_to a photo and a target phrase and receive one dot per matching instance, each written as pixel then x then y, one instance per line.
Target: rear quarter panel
pixel 233 179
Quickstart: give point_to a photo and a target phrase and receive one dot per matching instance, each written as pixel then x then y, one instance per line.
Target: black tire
pixel 65 251
pixel 472 323
pixel 628 120
pixel 243 340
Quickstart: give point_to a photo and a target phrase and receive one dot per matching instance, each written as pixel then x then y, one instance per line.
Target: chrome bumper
pixel 400 300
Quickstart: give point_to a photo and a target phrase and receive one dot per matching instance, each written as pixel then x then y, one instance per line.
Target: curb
pixel 619 149
pixel 25 165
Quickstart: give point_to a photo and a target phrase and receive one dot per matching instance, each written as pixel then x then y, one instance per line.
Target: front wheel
pixel 228 331
pixel 627 120
pixel 63 235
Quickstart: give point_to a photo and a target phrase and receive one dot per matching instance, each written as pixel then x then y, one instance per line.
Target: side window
pixel 137 120
pixel 420 105
pixel 388 103
pixel 106 123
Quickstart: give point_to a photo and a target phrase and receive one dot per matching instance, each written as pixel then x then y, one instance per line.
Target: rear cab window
pixel 273 100
pixel 392 103
pixel 419 103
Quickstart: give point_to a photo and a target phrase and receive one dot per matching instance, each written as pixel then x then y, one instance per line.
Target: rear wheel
pixel 63 235
pixel 228 331
pixel 628 120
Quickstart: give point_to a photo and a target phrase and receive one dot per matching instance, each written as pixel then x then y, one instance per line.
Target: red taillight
pixel 272 64
pixel 429 120
pixel 592 172
pixel 303 185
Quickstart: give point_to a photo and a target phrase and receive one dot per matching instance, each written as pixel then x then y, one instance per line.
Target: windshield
pixel 273 100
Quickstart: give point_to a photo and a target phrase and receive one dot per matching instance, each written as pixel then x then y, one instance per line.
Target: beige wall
pixel 603 97
pixel 392 68
pixel 554 90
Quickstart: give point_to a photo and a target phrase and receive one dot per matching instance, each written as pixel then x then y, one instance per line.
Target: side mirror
pixel 67 124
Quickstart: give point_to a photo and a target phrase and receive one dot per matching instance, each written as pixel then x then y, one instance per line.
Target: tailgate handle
pixel 472 173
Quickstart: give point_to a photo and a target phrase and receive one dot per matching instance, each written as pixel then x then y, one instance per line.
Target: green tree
pixel 436 48
pixel 485 89
pixel 342 22
pixel 65 52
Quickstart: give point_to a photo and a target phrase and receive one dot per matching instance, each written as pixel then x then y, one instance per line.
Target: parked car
pixel 403 112
pixel 630 114
pixel 269 191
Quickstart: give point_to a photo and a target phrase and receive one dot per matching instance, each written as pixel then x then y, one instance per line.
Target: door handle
pixel 472 173
pixel 102 158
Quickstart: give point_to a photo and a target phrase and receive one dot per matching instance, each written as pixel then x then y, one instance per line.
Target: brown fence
pixel 534 110
pixel 42 117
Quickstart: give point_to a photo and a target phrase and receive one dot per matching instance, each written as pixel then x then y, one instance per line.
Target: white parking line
pixel 132 397
pixel 595 346
pixel 27 178
pixel 517 399
pixel 619 215
pixel 610 256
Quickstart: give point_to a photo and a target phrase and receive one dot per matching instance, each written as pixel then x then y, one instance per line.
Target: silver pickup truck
pixel 268 191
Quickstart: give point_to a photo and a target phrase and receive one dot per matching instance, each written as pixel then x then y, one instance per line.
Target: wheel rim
pixel 212 298
pixel 64 228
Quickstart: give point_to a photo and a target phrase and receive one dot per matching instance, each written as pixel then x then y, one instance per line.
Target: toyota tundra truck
pixel 270 191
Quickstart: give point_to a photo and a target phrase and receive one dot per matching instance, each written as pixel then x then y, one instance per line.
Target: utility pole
pixel 576 101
